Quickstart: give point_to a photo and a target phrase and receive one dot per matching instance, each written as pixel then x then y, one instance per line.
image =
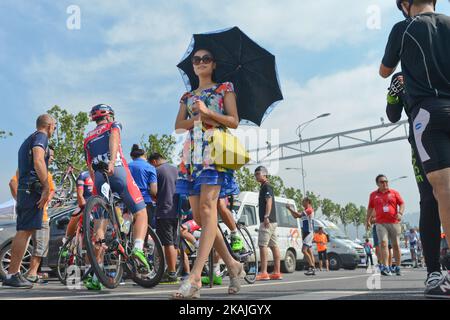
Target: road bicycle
pixel 105 212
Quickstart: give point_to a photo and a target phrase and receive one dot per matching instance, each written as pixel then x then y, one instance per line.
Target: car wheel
pixel 300 266
pixel 335 261
pixel 289 263
pixel 5 260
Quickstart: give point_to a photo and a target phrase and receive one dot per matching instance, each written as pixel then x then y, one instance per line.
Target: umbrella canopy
pixel 240 60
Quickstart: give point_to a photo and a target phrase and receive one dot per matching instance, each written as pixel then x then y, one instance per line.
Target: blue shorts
pixel 229 186
pixel 123 184
pixel 29 216
pixel 192 188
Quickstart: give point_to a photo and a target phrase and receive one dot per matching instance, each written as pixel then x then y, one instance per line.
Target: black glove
pixel 396 88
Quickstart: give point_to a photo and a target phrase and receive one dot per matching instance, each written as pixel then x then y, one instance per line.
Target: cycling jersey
pixel 413 239
pixel 85 183
pixel 308 220
pixel 96 145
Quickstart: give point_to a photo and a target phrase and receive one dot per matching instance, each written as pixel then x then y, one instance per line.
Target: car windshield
pixel 335 232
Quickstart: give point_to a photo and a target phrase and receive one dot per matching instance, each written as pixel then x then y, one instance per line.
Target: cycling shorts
pixel 432 136
pixel 123 184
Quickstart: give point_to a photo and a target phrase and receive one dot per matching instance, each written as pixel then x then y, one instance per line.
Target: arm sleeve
pixel 394 112
pixel 371 204
pixel 268 192
pixel 392 52
pixel 152 176
pixel 40 140
pixel 399 199
pixel 116 126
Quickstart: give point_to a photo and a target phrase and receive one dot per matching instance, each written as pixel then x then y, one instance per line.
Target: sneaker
pixel 16 281
pixel 169 278
pixel 217 280
pixel 397 271
pixel 437 286
pixel 184 276
pixel 93 284
pixel 263 277
pixel 34 279
pixel 310 272
pixel 236 243
pixel 139 257
pixel 276 276
pixel 385 271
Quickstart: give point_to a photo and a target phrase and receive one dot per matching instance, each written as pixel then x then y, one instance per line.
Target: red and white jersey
pixel 96 145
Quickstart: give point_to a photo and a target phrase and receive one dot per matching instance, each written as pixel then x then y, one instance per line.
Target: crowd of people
pixel 151 187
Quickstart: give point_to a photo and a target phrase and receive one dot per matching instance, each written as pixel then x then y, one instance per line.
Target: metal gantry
pixel 352 139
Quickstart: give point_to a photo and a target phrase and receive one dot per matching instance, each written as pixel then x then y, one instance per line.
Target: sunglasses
pixel 207 59
pixel 383 181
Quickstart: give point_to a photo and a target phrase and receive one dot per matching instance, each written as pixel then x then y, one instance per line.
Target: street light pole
pixel 299 133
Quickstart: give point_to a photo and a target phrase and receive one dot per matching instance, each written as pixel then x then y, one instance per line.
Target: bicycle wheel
pixel 108 266
pixel 153 250
pixel 248 255
pixel 64 261
pixel 64 186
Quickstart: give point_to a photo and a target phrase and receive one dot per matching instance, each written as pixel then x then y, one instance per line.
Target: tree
pixel 164 145
pixel 330 210
pixel 246 180
pixel 296 195
pixel 68 139
pixel 359 218
pixel 315 200
pixel 348 215
pixel 277 184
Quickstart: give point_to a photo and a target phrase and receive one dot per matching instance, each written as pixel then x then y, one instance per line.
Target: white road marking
pixel 107 295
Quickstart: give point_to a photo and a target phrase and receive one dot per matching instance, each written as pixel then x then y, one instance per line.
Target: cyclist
pixel 85 186
pixel 102 145
pixel 307 218
pixel 412 238
pixel 430 224
pixel 421 44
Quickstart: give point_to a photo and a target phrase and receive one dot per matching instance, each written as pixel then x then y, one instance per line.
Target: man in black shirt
pixel 32 195
pixel 267 236
pixel 421 43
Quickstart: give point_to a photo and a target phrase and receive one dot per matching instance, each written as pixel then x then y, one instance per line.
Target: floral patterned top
pixel 194 157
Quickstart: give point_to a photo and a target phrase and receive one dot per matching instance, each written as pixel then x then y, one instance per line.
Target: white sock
pixel 139 244
pixel 8 276
pixel 197 244
pixel 234 232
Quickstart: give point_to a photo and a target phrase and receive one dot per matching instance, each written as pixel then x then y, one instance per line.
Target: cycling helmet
pixel 100 111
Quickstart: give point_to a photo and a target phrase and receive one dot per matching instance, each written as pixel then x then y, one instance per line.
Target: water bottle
pixel 126 225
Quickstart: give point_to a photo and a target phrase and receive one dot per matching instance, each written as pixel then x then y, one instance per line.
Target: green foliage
pixel 164 145
pixel 68 138
pixel 330 210
pixel 277 184
pixel 246 180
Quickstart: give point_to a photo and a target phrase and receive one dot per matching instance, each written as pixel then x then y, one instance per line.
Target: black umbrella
pixel 243 62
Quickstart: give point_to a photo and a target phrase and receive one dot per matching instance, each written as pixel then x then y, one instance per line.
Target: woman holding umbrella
pixel 210 106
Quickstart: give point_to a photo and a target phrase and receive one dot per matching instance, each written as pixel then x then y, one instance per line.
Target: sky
pixel 124 53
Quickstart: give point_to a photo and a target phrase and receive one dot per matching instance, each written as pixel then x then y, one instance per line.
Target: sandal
pixel 235 282
pixel 187 291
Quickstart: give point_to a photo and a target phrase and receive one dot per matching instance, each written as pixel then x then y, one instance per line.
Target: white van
pixel 288 231
pixel 342 252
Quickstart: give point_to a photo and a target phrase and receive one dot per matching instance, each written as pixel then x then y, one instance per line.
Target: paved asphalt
pixel 340 285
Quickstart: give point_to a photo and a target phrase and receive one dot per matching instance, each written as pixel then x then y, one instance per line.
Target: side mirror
pixel 63 222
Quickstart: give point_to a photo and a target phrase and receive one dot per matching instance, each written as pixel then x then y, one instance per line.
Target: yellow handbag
pixel 227 151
